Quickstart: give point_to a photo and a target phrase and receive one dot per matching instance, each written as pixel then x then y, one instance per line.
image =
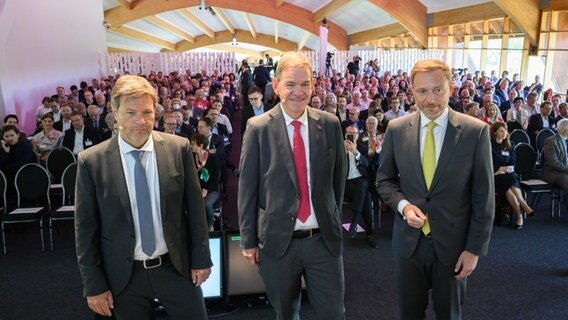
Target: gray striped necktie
pixel 144 205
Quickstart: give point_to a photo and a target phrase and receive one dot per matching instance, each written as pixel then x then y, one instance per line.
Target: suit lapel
pixel 316 145
pixel 163 162
pixel 282 142
pixel 413 138
pixel 114 163
pixel 451 139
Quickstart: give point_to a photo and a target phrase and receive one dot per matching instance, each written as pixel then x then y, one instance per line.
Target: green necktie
pixel 429 164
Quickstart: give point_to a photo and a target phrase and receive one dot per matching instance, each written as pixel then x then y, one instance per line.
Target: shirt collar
pixel 303 118
pixel 126 148
pixel 441 121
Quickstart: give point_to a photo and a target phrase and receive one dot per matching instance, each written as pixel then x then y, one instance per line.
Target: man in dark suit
pixel 139 216
pixel 541 120
pixel 256 108
pixel 555 158
pixel 64 122
pixel 88 136
pixel 293 169
pixel 441 186
pixel 261 76
pixel 353 120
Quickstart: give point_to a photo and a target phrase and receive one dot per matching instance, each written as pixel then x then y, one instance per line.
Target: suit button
pixel 292 218
pixel 428 199
pixel 297 195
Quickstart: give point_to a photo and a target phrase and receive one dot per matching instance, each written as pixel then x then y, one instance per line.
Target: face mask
pixel 176 106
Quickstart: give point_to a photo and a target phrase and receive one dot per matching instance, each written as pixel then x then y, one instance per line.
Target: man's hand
pixel 102 303
pixel 465 265
pixel 252 255
pixel 414 216
pixel 198 276
pixel 350 146
pixel 5 146
pixel 204 192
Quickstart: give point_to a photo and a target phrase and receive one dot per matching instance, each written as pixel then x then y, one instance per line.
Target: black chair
pixel 67 209
pixel 525 166
pixel 3 190
pixel 57 161
pixel 513 125
pixel 541 136
pixel 519 136
pixel 33 202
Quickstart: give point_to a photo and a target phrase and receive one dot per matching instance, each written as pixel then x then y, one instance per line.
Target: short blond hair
pixel 293 59
pixel 132 87
pixel 431 65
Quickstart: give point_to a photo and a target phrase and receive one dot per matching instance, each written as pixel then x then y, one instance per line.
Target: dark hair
pixel 199 139
pixel 9 127
pixel 517 99
pixel 208 122
pixel 493 131
pixel 48 115
pixel 11 116
pixel 253 89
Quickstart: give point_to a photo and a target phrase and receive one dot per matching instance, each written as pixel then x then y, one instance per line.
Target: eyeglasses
pixel 170 123
pixel 254 98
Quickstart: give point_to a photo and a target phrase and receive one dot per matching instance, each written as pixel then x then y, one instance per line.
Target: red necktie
pixel 299 152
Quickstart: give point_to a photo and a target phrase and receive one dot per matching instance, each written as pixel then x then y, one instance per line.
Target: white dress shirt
pixel 311 222
pixel 439 134
pixel 149 162
pixel 78 143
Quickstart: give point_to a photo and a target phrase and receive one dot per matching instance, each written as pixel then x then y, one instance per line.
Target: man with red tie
pixel 293 169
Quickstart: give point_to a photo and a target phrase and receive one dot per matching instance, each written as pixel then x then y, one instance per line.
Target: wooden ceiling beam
pixel 278 3
pixel 409 13
pixel 221 15
pixel 331 7
pixel 286 12
pixel 525 14
pixel 378 33
pixel 171 28
pixel 196 22
pixel 479 12
pixel 141 36
pixel 250 24
pixel 243 36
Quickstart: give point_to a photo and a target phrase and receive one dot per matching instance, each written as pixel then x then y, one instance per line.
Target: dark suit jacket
pixel 535 125
pixel 249 113
pixel 103 217
pixel 268 193
pixel 360 124
pixel 261 76
pixel 555 163
pixel 461 200
pixel 89 133
pixel 58 125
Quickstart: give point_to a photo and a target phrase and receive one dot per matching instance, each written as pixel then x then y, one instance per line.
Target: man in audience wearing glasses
pixel 256 108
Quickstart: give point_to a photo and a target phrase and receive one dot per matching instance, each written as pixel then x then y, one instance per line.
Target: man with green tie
pixel 437 173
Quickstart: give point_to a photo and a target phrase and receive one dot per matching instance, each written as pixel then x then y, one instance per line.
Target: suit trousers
pixel 420 273
pixel 356 190
pixel 181 299
pixel 560 180
pixel 323 274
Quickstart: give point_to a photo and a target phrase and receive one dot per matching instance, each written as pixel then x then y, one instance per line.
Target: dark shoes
pixel 372 242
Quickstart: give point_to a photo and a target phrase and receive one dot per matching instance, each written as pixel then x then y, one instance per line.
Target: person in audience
pixel 472 109
pixel 555 157
pixel 222 118
pixel 536 87
pixel 64 122
pixel 562 112
pixel 14 154
pixel 531 105
pixel 181 129
pixel 159 117
pixel 201 103
pixel 506 183
pixel 492 114
pixel 444 212
pixel 369 143
pixel 357 185
pixel 373 107
pixel 94 120
pixel 110 120
pixel 288 229
pixel 43 109
pixel 539 121
pixel 47 139
pixel 331 108
pixel 12 119
pixel 395 110
pixel 506 105
pixel 89 98
pixel 342 112
pixel 502 92
pixel 353 120
pixel 257 107
pixel 518 113
pixel 80 137
pixel 555 100
pixel 133 243
pixel 356 101
pixel 261 75
pixel 55 109
pixel 208 173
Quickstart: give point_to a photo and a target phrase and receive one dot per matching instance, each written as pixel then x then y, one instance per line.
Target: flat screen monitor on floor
pixel 242 278
pixel 213 287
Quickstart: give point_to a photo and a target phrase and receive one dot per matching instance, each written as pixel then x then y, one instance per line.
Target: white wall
pixel 44 44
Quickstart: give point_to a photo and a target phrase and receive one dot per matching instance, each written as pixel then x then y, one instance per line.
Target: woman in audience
pixel 46 139
pixel 506 182
pixel 208 172
pixel 492 114
pixel 403 85
pixel 330 98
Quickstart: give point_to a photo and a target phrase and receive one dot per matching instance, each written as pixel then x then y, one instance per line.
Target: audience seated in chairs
pixel 556 160
pixel 492 114
pixel 208 172
pixel 12 119
pixel 47 139
pixel 80 137
pixel 541 120
pixel 357 185
pixel 14 154
pixel 506 182
pixel 518 114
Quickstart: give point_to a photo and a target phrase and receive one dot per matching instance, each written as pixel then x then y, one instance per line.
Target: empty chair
pixel 67 209
pixel 541 136
pixel 3 190
pixel 57 161
pixel 519 136
pixel 32 188
pixel 525 166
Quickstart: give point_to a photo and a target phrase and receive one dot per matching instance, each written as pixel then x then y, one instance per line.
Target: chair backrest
pixel 3 189
pixel 519 136
pixel 68 180
pixel 525 160
pixel 32 185
pixel 513 125
pixel 57 160
pixel 541 136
